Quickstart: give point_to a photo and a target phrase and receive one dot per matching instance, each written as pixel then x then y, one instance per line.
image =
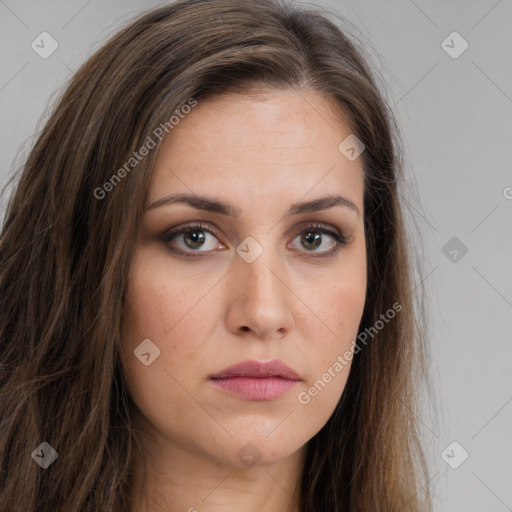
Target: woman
pixel 205 282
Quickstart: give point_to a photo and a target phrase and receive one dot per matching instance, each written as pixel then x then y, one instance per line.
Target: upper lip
pixel 274 368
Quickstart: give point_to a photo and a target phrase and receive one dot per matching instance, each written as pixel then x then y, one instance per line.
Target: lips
pixel 254 380
pixel 256 369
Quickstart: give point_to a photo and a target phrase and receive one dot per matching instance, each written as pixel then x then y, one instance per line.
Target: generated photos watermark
pixel 158 133
pixel 304 397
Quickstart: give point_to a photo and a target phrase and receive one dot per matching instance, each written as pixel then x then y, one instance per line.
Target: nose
pixel 259 298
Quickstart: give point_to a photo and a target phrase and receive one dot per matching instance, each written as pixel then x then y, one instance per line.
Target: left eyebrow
pixel 323 203
pixel 224 208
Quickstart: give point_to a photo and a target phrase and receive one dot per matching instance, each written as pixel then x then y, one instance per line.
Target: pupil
pixel 311 238
pixel 197 238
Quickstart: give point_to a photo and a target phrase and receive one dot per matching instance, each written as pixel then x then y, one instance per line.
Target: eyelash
pixel 169 235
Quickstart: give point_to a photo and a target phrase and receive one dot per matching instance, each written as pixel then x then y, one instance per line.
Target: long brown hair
pixel 65 253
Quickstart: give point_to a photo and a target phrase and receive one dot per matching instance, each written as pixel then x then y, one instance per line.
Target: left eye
pixel 313 238
pixel 196 236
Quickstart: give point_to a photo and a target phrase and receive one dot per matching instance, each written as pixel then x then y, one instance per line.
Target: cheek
pixel 332 329
pixel 162 308
pixel 345 308
pixel 161 301
pixel 340 304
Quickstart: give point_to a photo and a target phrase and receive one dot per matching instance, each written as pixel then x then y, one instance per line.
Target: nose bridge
pixel 258 276
pixel 260 293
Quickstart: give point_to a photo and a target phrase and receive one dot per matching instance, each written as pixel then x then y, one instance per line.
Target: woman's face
pixel 260 279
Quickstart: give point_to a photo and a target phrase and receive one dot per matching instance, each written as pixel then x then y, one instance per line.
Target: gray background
pixel 455 117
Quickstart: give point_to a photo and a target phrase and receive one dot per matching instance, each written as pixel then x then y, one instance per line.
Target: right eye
pixel 193 237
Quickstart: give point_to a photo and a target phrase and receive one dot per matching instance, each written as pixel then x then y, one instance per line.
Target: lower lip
pixel 255 388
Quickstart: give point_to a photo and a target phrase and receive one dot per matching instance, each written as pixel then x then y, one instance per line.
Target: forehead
pixel 278 141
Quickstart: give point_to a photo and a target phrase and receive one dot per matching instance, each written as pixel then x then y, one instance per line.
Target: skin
pixel 262 154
